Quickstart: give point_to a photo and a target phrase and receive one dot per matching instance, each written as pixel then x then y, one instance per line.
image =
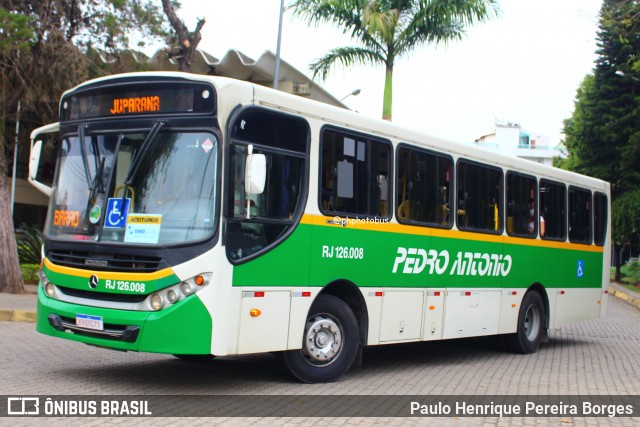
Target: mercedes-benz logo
pixel 93 281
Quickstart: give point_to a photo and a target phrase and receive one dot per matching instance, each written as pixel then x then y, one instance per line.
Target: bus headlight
pixel 172 296
pixel 156 302
pixel 177 292
pixel 186 288
pixel 49 289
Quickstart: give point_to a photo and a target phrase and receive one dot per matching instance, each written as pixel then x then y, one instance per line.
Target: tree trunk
pixel 10 275
pixel 188 41
pixel 617 254
pixel 387 102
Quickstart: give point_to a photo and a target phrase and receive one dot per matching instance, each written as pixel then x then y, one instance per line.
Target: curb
pixel 625 297
pixel 17 316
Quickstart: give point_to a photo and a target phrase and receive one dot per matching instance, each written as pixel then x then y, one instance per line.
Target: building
pixel 511 139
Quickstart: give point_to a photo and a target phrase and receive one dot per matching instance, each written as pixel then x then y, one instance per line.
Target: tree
pixel 603 133
pixel 42 53
pixel 389 29
pixel 184 42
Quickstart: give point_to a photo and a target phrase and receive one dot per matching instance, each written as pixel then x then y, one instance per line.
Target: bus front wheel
pixel 330 342
pixel 531 324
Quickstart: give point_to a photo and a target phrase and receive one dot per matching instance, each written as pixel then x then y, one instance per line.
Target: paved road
pixel 598 357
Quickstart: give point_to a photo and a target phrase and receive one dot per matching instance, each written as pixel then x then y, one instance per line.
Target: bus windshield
pixel 170 199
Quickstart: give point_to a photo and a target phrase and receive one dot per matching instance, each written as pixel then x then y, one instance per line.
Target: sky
pixel 523 66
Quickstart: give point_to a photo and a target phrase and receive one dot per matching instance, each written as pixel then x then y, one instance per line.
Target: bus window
pixel 600 207
pixel 479 197
pixel 522 205
pixel 553 208
pixel 579 215
pixel 354 174
pixel 423 187
pixel 257 221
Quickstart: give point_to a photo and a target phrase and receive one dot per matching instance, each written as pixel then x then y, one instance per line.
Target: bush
pixel 30 272
pixel 631 272
pixel 29 241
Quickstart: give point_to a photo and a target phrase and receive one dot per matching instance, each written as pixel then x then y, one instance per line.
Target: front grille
pixel 107 262
pixel 110 331
pixel 101 296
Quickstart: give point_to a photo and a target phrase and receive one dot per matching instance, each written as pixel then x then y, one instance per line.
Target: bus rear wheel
pixel 531 324
pixel 330 342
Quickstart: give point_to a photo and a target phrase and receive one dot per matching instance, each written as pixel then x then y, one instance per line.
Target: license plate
pixel 89 322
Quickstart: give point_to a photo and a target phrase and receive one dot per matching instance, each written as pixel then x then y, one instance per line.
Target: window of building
pixel 579 215
pixel 354 174
pixel 423 188
pixel 553 208
pixel 479 197
pixel 522 206
pixel 600 208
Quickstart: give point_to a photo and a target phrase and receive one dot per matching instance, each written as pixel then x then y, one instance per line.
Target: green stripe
pixel 133 287
pixel 318 255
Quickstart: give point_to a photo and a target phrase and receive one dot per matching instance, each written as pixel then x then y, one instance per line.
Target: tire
pixel 330 343
pixel 531 325
pixel 194 357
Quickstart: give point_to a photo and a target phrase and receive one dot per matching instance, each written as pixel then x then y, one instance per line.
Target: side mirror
pixel 34 162
pixel 34 156
pixel 255 174
pixel 34 159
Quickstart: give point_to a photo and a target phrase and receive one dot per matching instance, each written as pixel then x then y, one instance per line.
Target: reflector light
pixel 306 294
pixel 258 294
pixel 468 294
pixel 432 307
pixel 379 294
pixel 436 294
pixel 255 312
pixel 198 280
pixel 514 293
pixel 513 305
pixel 561 292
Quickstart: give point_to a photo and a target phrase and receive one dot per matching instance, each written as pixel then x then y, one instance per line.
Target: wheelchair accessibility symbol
pixel 116 213
pixel 580 269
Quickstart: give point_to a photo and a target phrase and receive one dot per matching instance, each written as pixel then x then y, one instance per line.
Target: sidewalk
pixel 19 308
pixel 22 308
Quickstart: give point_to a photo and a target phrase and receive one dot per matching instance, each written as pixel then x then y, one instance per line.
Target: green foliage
pixel 30 272
pixel 625 218
pixel 104 24
pixel 15 31
pixel 388 29
pixel 603 133
pixel 630 275
pixel 30 241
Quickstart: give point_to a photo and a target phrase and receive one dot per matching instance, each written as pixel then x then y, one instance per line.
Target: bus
pixel 202 216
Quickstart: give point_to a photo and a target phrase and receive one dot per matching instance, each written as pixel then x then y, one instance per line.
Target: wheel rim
pixel 322 340
pixel 532 322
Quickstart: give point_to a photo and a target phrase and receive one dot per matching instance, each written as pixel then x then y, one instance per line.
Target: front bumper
pixel 182 328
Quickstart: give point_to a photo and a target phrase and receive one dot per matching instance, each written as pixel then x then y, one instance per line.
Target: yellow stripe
pixel 393 227
pixel 161 274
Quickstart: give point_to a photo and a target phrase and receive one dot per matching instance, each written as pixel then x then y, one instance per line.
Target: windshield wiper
pixel 95 185
pixel 137 159
pixel 83 151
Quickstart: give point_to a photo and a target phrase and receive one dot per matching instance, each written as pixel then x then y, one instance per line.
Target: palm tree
pixel 388 29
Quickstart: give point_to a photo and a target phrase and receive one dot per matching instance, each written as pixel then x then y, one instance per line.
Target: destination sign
pixel 139 99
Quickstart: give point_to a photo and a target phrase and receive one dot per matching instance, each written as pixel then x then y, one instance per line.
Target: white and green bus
pixel 201 216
